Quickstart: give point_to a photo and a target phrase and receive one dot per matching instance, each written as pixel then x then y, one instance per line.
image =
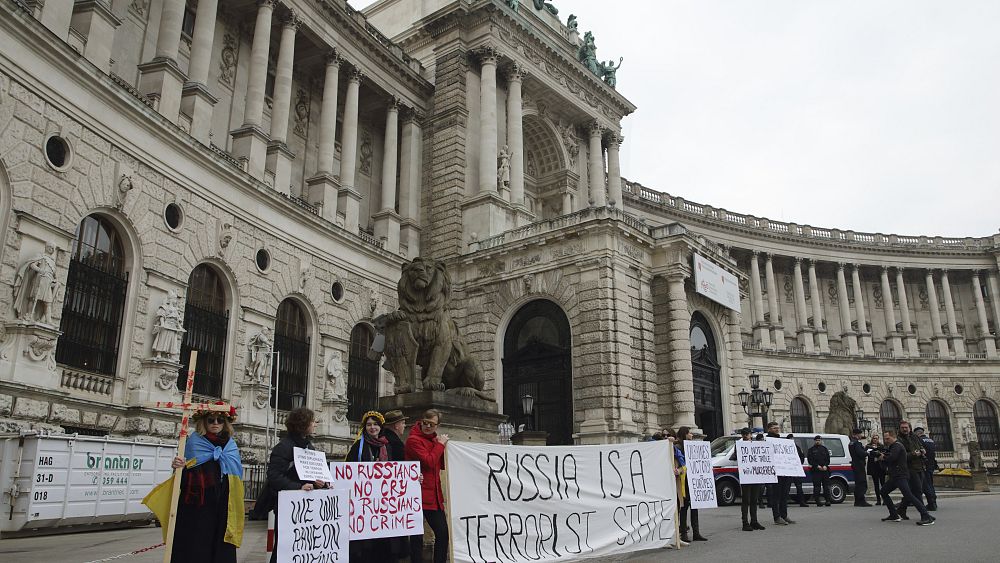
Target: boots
pixel 684 537
pixel 698 536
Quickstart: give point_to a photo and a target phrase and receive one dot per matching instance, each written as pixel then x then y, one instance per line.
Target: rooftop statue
pixel 571 23
pixel 514 5
pixel 543 5
pixel 609 70
pixel 588 54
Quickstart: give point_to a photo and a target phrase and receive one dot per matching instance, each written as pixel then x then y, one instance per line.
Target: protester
pixel 427 446
pixel 209 521
pixel 749 495
pixel 931 465
pixel 370 446
pixel 859 456
pixel 899 478
pixel 876 468
pixel 797 480
pixel 915 455
pixel 777 493
pixel 392 430
pixel 683 493
pixel 281 473
pixel 819 468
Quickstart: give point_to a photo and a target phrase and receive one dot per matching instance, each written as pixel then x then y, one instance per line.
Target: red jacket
pixel 430 453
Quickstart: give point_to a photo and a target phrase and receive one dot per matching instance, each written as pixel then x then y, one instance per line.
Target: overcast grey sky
pixel 875 116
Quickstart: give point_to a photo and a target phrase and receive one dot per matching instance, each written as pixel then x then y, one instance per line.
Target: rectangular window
pixel 187 26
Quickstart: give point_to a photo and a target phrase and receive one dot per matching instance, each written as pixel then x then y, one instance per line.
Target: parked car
pixel 727 482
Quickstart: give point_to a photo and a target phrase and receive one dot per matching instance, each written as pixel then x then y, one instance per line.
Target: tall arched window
pixel 939 426
pixel 291 344
pixel 95 298
pixel 206 321
pixel 362 374
pixel 889 416
pixel 802 420
pixel 987 429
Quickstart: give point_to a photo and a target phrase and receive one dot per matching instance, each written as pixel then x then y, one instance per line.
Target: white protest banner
pixel 700 480
pixel 312 526
pixel 311 465
pixel 559 503
pixel 756 462
pixel 787 462
pixel 385 498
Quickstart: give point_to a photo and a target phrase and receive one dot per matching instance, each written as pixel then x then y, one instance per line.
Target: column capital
pixel 755 253
pixel 798 261
pixel 944 271
pixel 413 115
pixel 394 103
pixel 769 256
pixel 333 57
pixel 841 266
pixel 291 20
pixel 516 73
pixel 976 272
pixel 267 3
pixel 900 270
pixel 930 272
pixel 856 267
pixel 595 129
pixel 614 139
pixel 487 55
pixel 884 269
pixel 355 74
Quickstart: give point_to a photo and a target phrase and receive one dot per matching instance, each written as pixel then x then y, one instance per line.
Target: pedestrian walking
pixel 915 460
pixel 819 469
pixel 899 478
pixel 931 465
pixel 859 459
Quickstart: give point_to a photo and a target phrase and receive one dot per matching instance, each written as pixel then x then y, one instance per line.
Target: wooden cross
pixel 187 408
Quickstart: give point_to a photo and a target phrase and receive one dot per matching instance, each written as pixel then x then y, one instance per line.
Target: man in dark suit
pixel 859 456
pixel 819 468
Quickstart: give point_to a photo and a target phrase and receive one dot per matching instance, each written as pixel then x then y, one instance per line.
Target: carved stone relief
pixel 229 60
pixel 301 112
pixel 366 151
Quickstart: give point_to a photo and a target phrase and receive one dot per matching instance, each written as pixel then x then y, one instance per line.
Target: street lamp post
pixel 527 408
pixel 757 401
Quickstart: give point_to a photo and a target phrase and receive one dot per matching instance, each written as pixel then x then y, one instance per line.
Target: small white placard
pixel 311 465
pixel 756 461
pixel 787 462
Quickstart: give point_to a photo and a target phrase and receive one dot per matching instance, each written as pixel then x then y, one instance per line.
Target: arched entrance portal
pixel 707 382
pixel 537 362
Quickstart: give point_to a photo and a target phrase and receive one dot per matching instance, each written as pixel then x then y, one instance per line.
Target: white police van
pixel 727 482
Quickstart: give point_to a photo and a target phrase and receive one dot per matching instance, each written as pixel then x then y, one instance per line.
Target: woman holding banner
pixel 684 493
pixel 281 473
pixel 371 447
pixel 427 446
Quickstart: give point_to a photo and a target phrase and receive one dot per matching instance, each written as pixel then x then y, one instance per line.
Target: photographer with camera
pixel 916 456
pixel 895 460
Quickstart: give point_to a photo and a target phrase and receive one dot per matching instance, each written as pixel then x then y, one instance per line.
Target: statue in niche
pixel 35 287
pixel 336 383
pixel 588 54
pixel 608 71
pixel 572 24
pixel 168 329
pixel 841 417
pixel 503 168
pixel 260 347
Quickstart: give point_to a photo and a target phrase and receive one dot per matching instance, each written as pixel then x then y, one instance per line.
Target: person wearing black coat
pixel 898 468
pixel 281 473
pixel 819 468
pixel 859 457
pixel 798 480
pixel 875 466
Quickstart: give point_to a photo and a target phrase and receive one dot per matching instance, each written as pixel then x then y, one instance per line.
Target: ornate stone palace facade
pixel 246 179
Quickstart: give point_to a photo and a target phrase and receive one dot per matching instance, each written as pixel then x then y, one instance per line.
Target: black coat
pixel 818 456
pixel 895 461
pixel 281 473
pixel 397 449
pixel 859 455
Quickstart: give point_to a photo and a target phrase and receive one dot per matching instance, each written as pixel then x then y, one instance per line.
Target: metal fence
pixel 254 477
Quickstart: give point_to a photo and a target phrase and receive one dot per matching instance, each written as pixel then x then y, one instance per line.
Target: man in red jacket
pixel 427 446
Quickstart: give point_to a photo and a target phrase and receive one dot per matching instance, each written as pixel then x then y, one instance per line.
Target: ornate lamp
pixel 527 408
pixel 754 380
pixel 744 398
pixel 298 400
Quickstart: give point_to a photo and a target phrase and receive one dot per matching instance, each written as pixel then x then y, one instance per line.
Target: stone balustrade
pixel 87 382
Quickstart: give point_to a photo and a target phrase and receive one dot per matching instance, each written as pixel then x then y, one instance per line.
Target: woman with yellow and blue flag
pixel 209 525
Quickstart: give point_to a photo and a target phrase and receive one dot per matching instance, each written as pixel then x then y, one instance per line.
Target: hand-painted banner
pixel 385 497
pixel 700 480
pixel 558 503
pixel 756 462
pixel 312 526
pixel 311 465
pixel 787 462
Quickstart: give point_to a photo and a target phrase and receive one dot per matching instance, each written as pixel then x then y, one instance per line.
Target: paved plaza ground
pixel 966 531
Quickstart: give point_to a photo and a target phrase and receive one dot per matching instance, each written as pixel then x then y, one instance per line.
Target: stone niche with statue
pixel 430 359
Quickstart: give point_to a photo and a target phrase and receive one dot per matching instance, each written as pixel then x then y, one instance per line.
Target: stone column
pixel 859 309
pixel 891 335
pixel 279 156
pixel 957 340
pixel 250 141
pixel 822 341
pixel 777 329
pixel 932 298
pixel 614 170
pixel 598 192
pixel 387 220
pixel 994 289
pixel 904 312
pixel 197 100
pixel 323 187
pixel 94 19
pixel 350 198
pixel 847 334
pixel 802 329
pixel 410 183
pixel 488 57
pixel 681 382
pixel 515 133
pixel 759 324
pixel 161 78
pixel 986 338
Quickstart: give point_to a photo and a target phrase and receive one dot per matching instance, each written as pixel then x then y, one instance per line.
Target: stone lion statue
pixel 422 333
pixel 841 417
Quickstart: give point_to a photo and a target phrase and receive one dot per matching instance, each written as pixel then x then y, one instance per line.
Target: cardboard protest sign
pixel 312 526
pixel 311 465
pixel 385 498
pixel 756 462
pixel 700 479
pixel 558 503
pixel 787 462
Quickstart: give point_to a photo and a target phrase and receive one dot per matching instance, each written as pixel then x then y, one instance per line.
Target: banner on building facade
pixel 715 283
pixel 385 498
pixel 756 462
pixel 312 526
pixel 787 462
pixel 700 479
pixel 559 503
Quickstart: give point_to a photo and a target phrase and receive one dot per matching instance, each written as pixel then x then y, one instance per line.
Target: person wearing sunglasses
pixel 427 446
pixel 210 508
